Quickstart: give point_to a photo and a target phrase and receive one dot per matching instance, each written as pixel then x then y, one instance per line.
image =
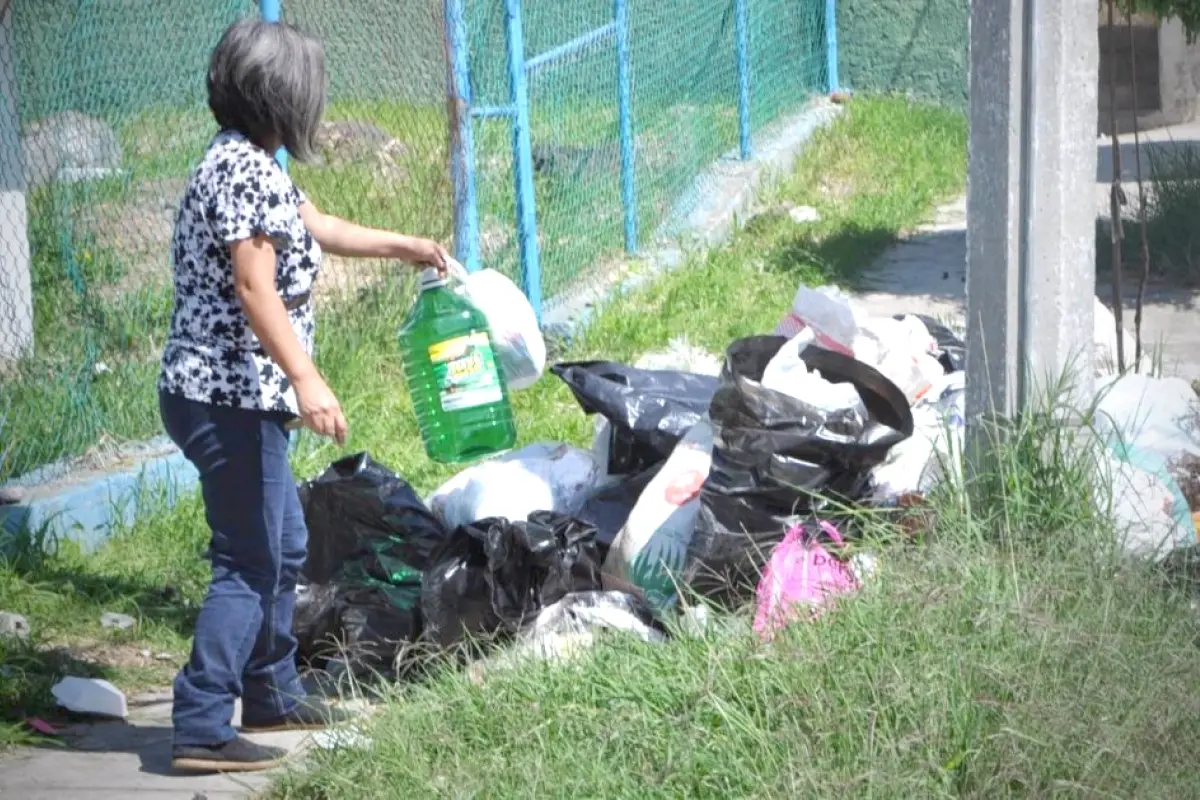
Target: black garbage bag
pixel 496 574
pixel 536 563
pixel 456 599
pixel 365 624
pixel 360 513
pixel 375 623
pixel 369 539
pixel 650 410
pixel 313 620
pixel 775 457
pixel 953 350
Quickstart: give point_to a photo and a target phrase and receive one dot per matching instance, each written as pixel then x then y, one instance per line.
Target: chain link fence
pixel 685 114
pixel 109 102
pixel 112 116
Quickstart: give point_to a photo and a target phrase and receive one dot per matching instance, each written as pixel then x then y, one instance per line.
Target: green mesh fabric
pixel 111 117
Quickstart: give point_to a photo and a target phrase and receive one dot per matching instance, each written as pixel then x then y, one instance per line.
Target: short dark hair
pixel 267 80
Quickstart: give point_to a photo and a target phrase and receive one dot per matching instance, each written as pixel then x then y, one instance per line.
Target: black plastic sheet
pixel 650 410
pixel 776 457
pixel 495 575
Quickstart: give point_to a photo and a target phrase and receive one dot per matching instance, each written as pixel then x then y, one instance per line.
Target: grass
pixel 983 661
pixel 1006 652
pixel 153 570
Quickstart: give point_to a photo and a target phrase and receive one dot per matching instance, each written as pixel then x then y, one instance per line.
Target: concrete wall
pixel 16 298
pixel 915 46
pixel 1179 73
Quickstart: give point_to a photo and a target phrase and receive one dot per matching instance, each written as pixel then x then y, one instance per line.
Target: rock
pixel 13 625
pixel 119 622
pixel 69 147
pixel 343 142
pixel 91 696
pixel 804 215
pixel 11 495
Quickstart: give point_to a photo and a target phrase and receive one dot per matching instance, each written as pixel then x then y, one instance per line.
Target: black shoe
pixel 310 715
pixel 236 755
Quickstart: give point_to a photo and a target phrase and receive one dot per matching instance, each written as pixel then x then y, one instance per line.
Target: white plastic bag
pixel 787 373
pixel 902 350
pixel 918 463
pixel 1150 423
pixel 1146 510
pixel 650 550
pixel 830 314
pixel 541 477
pixel 91 696
pixel 1104 351
pixel 516 335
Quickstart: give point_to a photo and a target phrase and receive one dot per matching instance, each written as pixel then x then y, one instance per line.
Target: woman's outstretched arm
pixel 344 238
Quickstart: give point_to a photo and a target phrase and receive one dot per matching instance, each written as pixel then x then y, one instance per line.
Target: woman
pixel 237 369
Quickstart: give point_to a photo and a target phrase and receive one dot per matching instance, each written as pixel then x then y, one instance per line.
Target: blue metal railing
pixel 741 49
pixel 833 80
pixel 272 11
pixel 518 95
pixel 520 69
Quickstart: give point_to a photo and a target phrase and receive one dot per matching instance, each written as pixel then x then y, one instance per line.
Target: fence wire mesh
pixel 685 113
pixel 110 100
pixel 113 116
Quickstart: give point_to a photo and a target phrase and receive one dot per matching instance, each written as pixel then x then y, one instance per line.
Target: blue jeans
pixel 243 644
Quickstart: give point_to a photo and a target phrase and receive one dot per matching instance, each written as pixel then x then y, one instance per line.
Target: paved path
pixel 124 760
pixel 926 273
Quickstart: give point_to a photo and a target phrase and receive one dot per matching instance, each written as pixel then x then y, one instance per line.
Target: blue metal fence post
pixel 462 137
pixel 272 11
pixel 741 44
pixel 625 125
pixel 523 156
pixel 833 79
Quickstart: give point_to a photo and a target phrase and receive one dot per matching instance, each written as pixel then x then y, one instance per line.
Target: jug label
pixel 465 371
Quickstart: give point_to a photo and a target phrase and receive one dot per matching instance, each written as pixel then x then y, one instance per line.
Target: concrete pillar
pixel 1030 208
pixel 16 294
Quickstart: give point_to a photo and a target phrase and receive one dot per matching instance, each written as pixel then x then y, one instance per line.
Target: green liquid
pixel 457 387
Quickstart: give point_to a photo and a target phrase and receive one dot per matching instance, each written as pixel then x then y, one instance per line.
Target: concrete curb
pixel 64 502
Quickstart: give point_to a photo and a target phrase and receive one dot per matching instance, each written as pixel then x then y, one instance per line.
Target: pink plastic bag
pixel 801 573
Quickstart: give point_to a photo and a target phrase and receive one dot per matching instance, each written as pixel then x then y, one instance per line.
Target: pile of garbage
pixel 725 480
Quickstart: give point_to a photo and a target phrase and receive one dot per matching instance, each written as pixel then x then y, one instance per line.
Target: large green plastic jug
pixel 457 387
